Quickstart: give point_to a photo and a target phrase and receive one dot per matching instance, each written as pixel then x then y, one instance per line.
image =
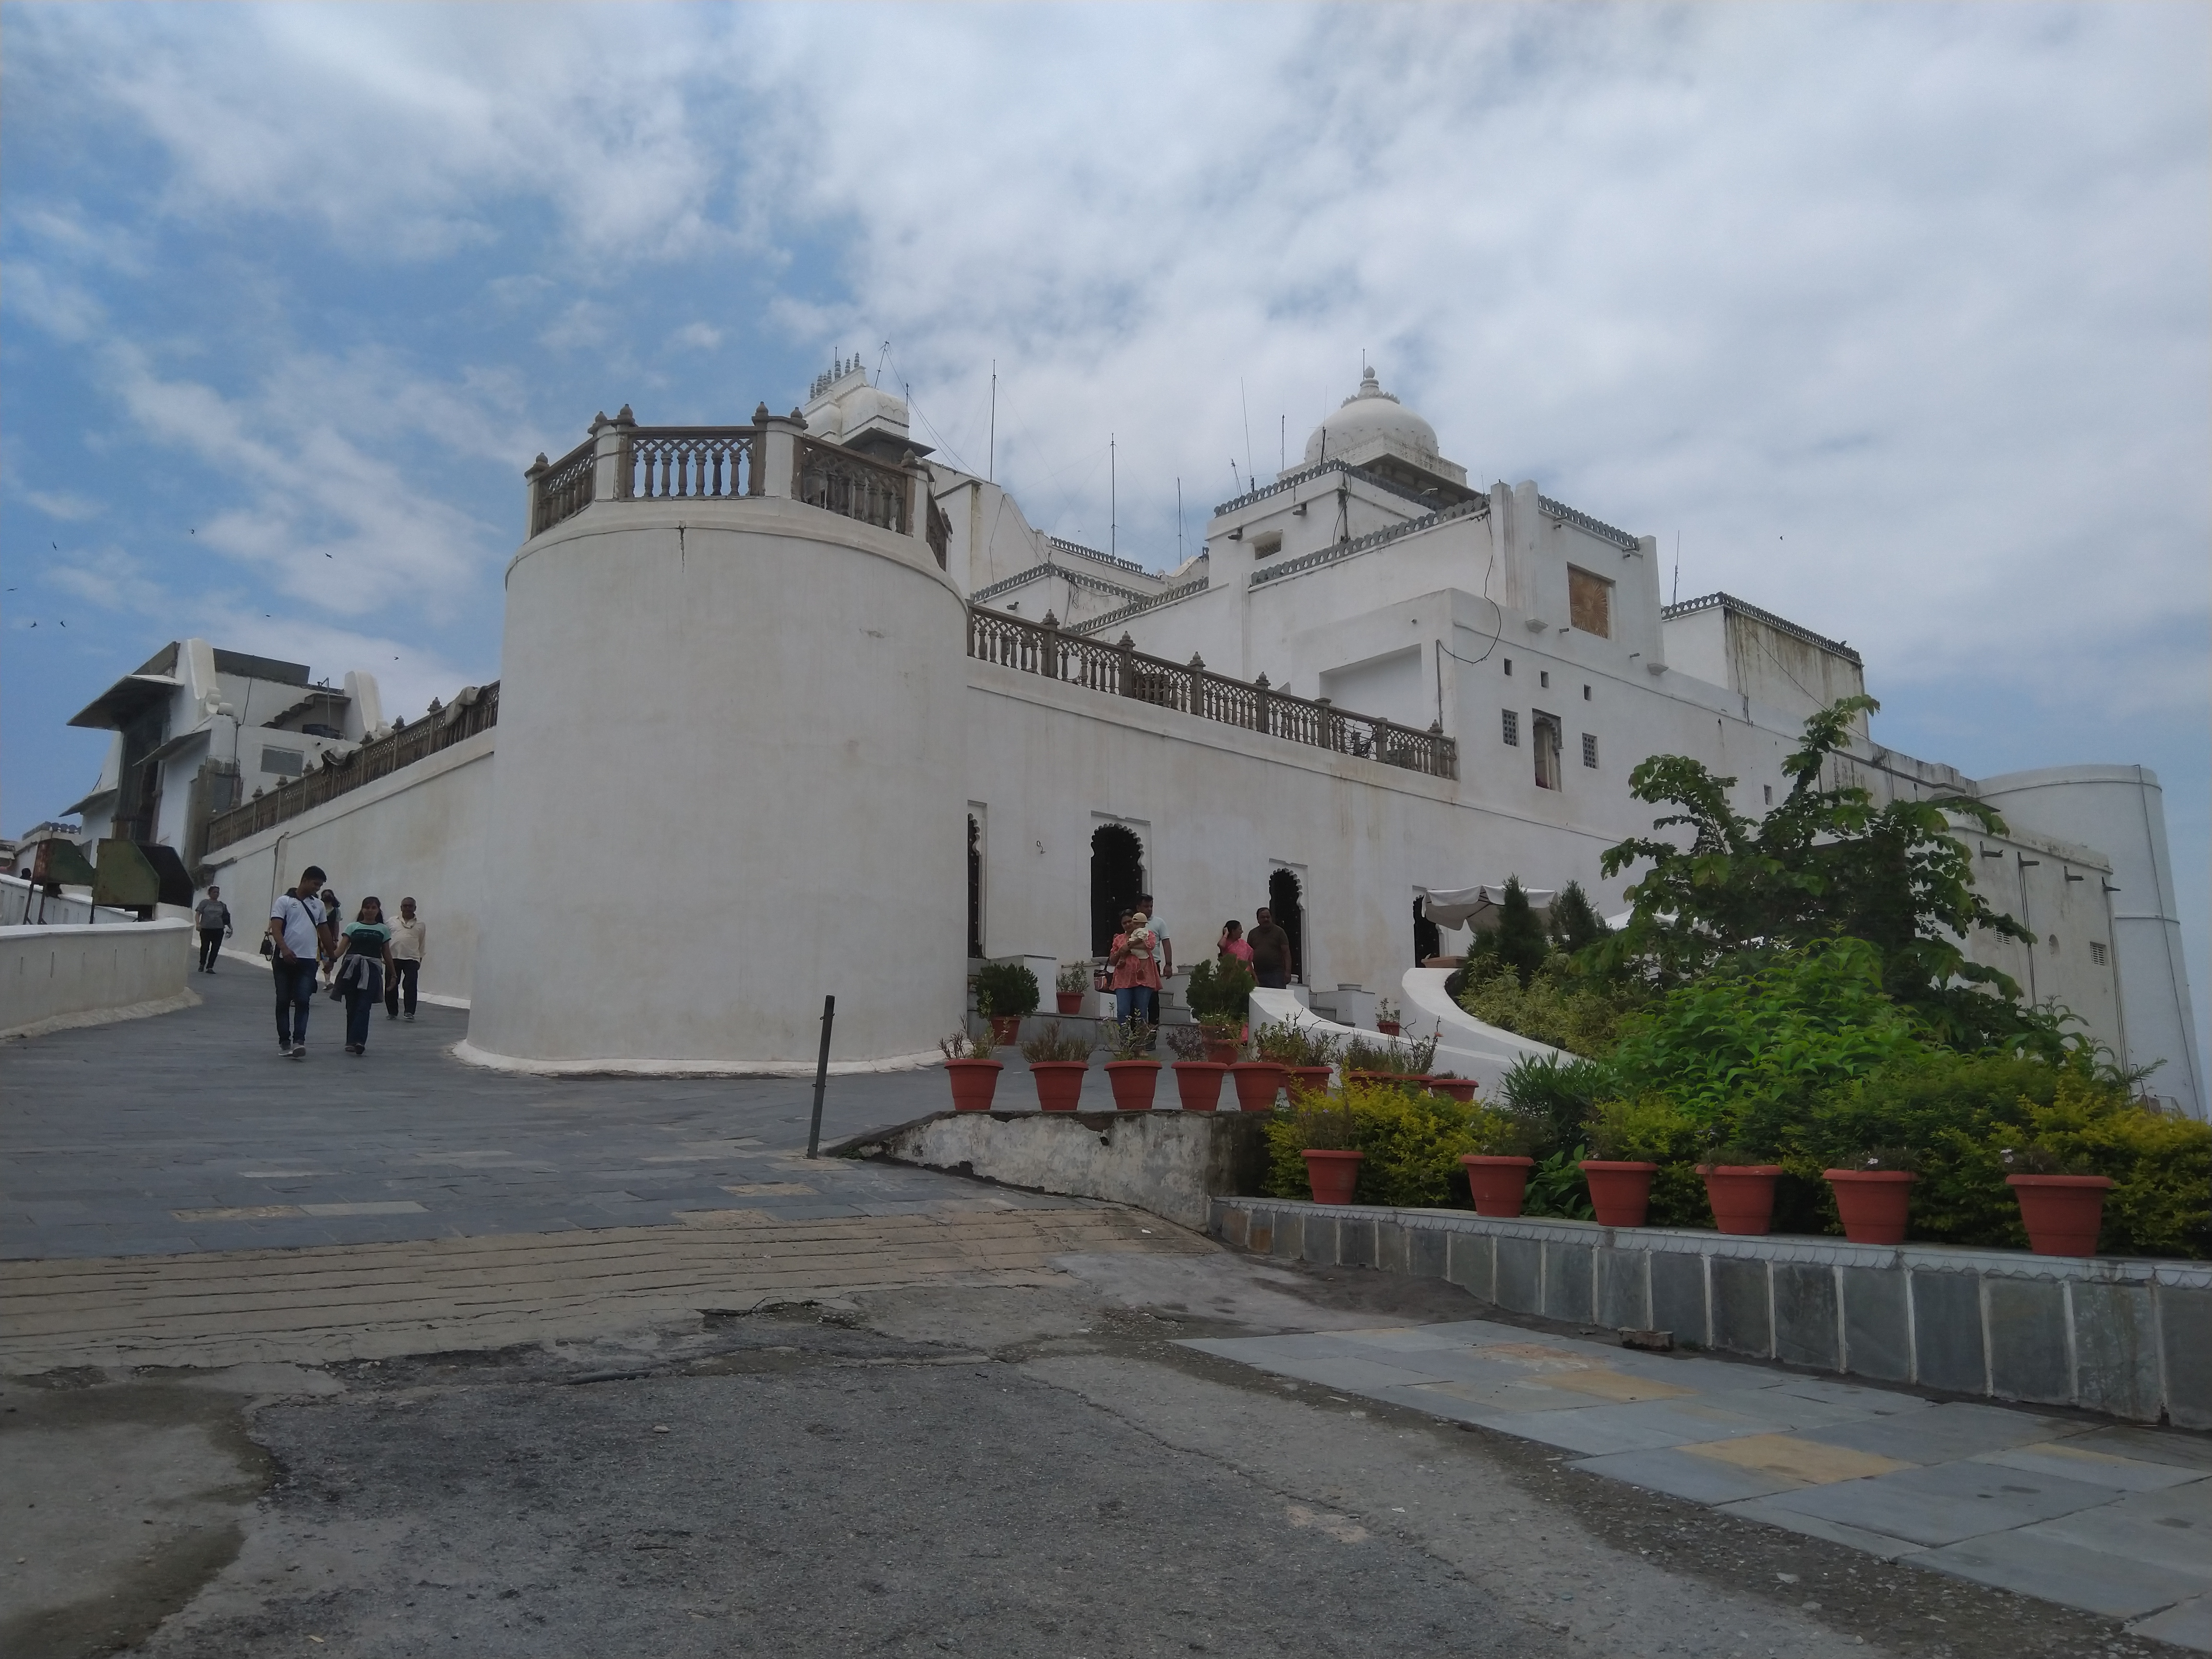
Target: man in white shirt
pixel 295 928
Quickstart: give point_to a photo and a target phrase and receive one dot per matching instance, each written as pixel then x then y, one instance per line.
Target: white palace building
pixel 788 709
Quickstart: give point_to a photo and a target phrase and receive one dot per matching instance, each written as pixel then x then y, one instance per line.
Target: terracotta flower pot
pixel 1459 1088
pixel 1222 1053
pixel 1068 1002
pixel 1619 1190
pixel 2062 1212
pixel 1872 1204
pixel 1388 1027
pixel 1496 1184
pixel 973 1082
pixel 1313 1079
pixel 1005 1030
pixel 1199 1082
pixel 1742 1195
pixel 1133 1082
pixel 1258 1082
pixel 1333 1177
pixel 1059 1082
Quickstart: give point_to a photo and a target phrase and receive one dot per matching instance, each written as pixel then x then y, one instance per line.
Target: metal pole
pixel 821 1078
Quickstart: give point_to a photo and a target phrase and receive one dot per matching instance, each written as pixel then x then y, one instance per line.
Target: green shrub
pixel 1555 1098
pixel 1558 1005
pixel 1413 1142
pixel 1652 1129
pixel 1005 990
pixel 1220 991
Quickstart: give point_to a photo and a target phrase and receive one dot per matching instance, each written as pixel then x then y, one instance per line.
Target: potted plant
pixel 1326 1131
pixel 975 1074
pixel 1006 994
pixel 1620 1187
pixel 1307 1057
pixel 1220 998
pixel 1388 1019
pixel 1258 1082
pixel 1497 1176
pixel 1874 1196
pixel 1741 1192
pixel 1460 1089
pixel 2062 1211
pixel 1069 986
pixel 1133 1073
pixel 1198 1074
pixel 1223 1039
pixel 1058 1064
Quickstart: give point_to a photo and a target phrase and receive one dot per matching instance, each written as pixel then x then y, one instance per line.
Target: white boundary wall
pixel 51 978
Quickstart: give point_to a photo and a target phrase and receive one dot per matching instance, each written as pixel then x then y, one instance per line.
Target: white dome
pixel 1370 420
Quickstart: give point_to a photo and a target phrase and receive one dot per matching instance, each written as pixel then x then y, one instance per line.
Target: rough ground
pixel 943 1470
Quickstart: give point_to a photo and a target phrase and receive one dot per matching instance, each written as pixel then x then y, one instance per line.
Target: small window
pixel 1543 679
pixel 1768 789
pixel 1270 542
pixel 1589 603
pixel 1547 753
pixel 1590 750
pixel 1509 668
pixel 285 762
pixel 2096 953
pixel 1512 722
pixel 1586 695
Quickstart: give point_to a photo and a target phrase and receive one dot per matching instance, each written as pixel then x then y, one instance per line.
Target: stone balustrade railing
pixel 475 709
pixel 622 461
pixel 1122 670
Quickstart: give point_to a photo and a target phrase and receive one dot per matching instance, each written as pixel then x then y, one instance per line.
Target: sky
pixel 1897 320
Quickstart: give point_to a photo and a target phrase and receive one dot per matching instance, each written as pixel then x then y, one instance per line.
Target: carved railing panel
pixel 851 485
pixel 672 462
pixel 1122 670
pixel 379 757
pixel 940 533
pixel 563 489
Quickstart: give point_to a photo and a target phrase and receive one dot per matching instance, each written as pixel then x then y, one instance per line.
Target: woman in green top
pixel 364 960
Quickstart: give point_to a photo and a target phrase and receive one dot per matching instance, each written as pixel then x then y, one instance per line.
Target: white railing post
pixel 610 455
pixel 777 454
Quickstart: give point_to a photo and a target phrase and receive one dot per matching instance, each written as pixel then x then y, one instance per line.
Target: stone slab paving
pixel 187 1132
pixel 2115 1520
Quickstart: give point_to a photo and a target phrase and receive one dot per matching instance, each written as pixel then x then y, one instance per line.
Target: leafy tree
pixel 1824 863
pixel 1519 942
pixel 1576 924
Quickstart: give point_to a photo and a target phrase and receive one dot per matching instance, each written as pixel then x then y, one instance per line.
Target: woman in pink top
pixel 1232 942
pixel 1136 965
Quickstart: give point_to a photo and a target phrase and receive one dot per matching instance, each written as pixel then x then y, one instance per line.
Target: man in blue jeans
pixel 295 929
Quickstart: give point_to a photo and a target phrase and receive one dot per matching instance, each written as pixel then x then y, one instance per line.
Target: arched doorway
pixel 974 887
pixel 1428 938
pixel 1117 880
pixel 1287 899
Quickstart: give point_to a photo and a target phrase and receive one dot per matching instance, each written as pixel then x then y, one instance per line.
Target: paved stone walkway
pixel 187 1132
pixel 2114 1521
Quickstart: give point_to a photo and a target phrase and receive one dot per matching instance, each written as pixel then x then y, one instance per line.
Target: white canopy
pixel 1477 907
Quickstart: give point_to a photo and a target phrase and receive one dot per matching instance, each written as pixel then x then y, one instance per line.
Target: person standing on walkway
pixel 408 938
pixel 295 941
pixel 1232 943
pixel 1136 969
pixel 1271 952
pixel 213 919
pixel 363 966
pixel 326 943
pixel 1163 959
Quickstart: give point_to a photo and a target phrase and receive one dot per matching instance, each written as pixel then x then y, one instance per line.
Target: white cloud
pixel 60 504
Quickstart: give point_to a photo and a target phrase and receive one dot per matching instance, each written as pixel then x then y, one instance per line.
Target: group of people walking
pixel 1142 955
pixel 369 960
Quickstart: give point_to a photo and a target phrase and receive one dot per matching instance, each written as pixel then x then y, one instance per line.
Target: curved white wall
pixel 2120 811
pixel 729 782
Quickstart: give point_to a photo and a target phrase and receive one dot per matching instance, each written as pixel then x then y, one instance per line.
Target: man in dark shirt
pixel 214 919
pixel 1271 951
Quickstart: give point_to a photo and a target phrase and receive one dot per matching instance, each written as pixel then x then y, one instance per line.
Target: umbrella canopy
pixel 1477 907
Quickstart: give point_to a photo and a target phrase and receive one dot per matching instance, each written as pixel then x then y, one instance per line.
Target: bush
pixel 1005 990
pixel 1555 1098
pixel 1413 1142
pixel 1220 992
pixel 1558 1005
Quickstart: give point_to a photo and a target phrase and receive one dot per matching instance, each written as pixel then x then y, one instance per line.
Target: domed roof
pixel 1370 421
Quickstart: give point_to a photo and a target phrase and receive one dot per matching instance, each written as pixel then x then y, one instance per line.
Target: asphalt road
pixel 1014 1472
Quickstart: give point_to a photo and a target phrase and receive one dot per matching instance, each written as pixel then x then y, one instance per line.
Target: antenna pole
pixel 991 462
pixel 1283 442
pixel 1247 407
pixel 1677 600
pixel 1113 498
pixel 1178 523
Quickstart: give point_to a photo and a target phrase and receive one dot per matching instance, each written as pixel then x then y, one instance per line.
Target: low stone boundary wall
pixel 1167 1162
pixel 54 977
pixel 2127 1336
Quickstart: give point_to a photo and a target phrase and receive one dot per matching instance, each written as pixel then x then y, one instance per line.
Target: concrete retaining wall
pixel 2127 1336
pixel 1167 1162
pixel 53 977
